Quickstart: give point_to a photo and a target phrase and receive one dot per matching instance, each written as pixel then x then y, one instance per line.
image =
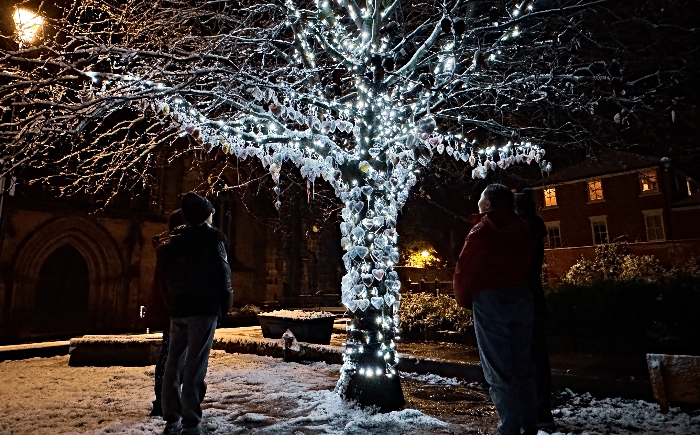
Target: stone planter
pixel 307 326
pixel 675 380
pixel 115 350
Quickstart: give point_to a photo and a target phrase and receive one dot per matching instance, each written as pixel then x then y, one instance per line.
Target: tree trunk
pixel 370 290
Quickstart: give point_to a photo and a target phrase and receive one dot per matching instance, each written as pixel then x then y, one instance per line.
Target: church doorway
pixel 61 295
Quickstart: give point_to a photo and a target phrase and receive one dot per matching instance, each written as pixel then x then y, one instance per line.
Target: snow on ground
pixel 262 395
pixel 299 314
pixel 246 393
pixel 620 416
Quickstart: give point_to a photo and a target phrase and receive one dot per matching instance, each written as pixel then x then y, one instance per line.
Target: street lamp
pixel 27 24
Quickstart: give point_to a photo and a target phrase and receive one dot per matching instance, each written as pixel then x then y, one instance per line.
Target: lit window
pixel 553 239
pixel 595 190
pixel 550 197
pixel 599 226
pixel 654 222
pixel 649 181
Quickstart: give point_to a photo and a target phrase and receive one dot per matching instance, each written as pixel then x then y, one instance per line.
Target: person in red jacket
pixel 157 313
pixel 491 278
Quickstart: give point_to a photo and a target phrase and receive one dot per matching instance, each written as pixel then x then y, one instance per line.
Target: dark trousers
pixel 503 325
pixel 543 371
pixel 190 343
pixel 160 365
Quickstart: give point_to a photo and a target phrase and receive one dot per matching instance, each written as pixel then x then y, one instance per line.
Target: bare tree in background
pixel 359 95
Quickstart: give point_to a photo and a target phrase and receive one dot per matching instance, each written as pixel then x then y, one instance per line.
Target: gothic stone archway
pixel 105 269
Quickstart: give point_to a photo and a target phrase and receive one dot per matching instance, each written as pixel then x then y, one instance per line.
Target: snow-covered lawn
pixel 253 394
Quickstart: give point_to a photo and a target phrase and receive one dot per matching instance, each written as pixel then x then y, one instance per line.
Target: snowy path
pixel 253 394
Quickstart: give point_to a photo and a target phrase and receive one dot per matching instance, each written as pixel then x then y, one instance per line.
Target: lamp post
pixel 27 24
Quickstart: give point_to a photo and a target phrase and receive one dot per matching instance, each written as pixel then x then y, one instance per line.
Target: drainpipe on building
pixel 665 163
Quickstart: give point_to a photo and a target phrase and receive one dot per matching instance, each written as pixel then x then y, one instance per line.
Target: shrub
pixel 424 312
pixel 627 296
pixel 246 310
pixel 612 263
pixel 659 310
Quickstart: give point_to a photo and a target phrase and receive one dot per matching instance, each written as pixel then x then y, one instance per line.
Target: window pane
pixel 550 197
pixel 655 228
pixel 553 237
pixel 595 190
pixel 600 232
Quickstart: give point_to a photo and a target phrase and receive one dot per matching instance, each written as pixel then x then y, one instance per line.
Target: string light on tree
pixel 364 120
pixel 358 101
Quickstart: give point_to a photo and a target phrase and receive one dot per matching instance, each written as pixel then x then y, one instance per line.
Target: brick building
pixel 618 196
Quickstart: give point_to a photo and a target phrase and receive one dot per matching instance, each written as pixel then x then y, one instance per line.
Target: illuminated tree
pixel 361 96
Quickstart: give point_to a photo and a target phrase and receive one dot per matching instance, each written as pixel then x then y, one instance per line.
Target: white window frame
pixel 552 224
pixel 597 219
pixel 655 212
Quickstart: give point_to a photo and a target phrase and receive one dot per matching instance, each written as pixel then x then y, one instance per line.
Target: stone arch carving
pixel 98 248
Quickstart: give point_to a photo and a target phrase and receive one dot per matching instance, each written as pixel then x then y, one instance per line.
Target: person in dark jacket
pixel 157 315
pixel 491 279
pixel 198 285
pixel 526 208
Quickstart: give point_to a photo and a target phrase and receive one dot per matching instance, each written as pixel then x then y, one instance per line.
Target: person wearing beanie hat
pixel 196 208
pixel 198 286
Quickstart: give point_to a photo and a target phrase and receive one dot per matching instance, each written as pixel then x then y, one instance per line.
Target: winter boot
pixel 172 428
pixel 157 411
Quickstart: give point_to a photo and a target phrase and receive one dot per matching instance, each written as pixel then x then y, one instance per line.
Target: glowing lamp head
pixel 27 24
pixel 424 254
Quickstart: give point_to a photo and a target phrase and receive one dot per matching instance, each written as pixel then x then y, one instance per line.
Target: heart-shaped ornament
pixel 378 274
pixel 377 302
pixel 359 233
pixel 377 255
pixel 358 289
pixel 362 251
pixel 380 242
pixel 347 297
pixel 389 299
pixel 393 275
pixel 352 305
pixel 363 304
pixel 367 279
